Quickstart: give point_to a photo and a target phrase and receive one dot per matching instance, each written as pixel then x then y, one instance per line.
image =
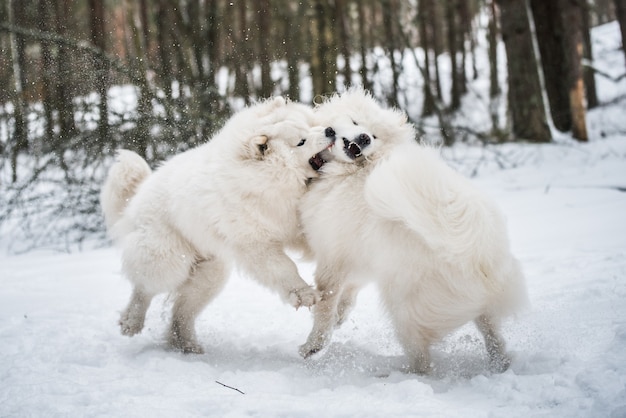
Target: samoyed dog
pixel 389 210
pixel 230 201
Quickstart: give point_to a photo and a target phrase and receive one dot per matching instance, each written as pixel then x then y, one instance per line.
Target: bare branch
pixel 229 387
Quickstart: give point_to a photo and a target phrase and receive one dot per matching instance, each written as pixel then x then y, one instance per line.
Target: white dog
pixel 232 199
pixel 387 209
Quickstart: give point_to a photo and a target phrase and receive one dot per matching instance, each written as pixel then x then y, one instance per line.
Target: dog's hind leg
pixel 499 361
pixel 133 317
pixel 346 303
pixel 414 338
pixel 206 280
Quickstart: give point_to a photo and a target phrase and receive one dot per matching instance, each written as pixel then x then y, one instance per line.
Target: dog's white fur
pixel 398 215
pixel 231 200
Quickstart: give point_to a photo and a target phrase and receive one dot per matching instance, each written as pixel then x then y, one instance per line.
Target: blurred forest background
pixel 186 65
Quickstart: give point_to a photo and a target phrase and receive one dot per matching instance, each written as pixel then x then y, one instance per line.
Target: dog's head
pixel 360 129
pixel 285 137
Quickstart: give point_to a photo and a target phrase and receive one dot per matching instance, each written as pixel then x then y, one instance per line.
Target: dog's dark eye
pixel 374 136
pixel 262 148
pixel 302 141
pixel 354 123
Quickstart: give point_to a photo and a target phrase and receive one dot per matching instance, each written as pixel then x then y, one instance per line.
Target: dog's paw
pixel 305 296
pixel 187 347
pixel 184 339
pixel 499 363
pixel 130 326
pixel 307 350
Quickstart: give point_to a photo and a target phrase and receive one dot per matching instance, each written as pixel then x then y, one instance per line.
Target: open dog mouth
pixel 352 149
pixel 318 160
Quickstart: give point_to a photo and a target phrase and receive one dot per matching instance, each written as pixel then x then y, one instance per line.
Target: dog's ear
pixel 259 146
pixel 278 101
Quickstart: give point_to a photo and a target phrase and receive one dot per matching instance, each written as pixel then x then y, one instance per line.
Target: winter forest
pixel 526 98
pixel 187 65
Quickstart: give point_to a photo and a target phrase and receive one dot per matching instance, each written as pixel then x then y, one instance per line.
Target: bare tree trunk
pixel 140 140
pixel 20 139
pixel 605 10
pixel 211 41
pixel 163 47
pixel 571 12
pixel 344 45
pixel 367 84
pixel 243 59
pixel 389 17
pixel 550 36
pixel 528 118
pixel 291 39
pixel 455 92
pixel 620 11
pixel 494 85
pixel 67 125
pixel 322 70
pixel 436 24
pixel 423 17
pixel 96 8
pixel 45 20
pixel 264 47
pixel 588 73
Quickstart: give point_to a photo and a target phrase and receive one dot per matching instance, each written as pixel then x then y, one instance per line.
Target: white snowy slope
pixel 62 355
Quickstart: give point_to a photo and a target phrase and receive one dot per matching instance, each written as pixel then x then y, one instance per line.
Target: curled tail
pixel 121 184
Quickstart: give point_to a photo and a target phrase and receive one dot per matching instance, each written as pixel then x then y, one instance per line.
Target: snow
pixel 61 352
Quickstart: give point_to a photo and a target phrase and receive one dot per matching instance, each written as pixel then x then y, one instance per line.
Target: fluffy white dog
pixel 387 209
pixel 233 199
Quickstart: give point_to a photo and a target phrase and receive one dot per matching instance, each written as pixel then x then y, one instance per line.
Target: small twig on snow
pixel 229 387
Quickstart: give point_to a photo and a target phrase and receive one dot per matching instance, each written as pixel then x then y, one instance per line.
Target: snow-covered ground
pixel 61 352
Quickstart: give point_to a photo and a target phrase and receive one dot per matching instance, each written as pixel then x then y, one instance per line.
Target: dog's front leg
pixel 273 268
pixel 325 317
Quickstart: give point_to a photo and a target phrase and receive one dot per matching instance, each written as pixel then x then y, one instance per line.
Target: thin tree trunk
pixel 20 141
pixel 588 73
pixel 620 11
pixel 423 17
pixel 322 70
pixel 243 59
pixel 163 48
pixel 367 84
pixel 494 85
pixel 571 13
pixel 67 125
pixel 455 92
pixel 436 24
pixel 389 12
pixel 97 21
pixel 344 45
pixel 264 47
pixel 140 140
pixel 45 19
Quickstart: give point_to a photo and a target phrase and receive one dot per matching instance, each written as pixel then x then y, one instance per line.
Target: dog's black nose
pixel 363 139
pixel 330 132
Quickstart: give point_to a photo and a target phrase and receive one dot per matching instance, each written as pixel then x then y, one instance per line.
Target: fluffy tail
pixel 121 184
